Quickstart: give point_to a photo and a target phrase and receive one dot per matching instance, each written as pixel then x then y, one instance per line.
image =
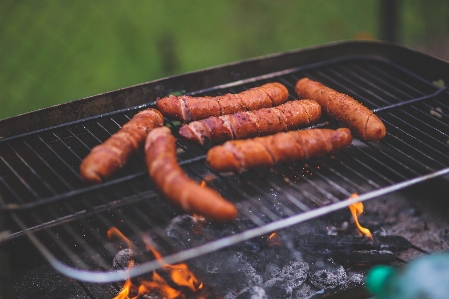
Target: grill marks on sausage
pixel 237 155
pixel 230 103
pixel 344 109
pixel 288 116
pixel 108 157
pixel 188 108
pixel 170 179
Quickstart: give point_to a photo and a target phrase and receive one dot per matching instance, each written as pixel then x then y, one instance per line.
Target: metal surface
pixel 68 220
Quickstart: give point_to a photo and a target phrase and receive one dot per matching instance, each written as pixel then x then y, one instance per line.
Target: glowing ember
pixel 357 210
pixel 274 239
pixel 198 218
pixel 179 274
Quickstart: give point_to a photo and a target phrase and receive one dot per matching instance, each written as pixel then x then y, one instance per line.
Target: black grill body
pixel 67 220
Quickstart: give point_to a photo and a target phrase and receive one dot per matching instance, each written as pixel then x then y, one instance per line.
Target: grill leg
pixel 389 20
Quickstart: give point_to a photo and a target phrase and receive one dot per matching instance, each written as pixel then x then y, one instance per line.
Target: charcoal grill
pixel 67 220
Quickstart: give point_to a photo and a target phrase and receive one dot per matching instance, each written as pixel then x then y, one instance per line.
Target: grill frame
pixel 16 211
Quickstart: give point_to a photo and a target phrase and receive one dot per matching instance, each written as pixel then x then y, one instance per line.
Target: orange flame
pixel 114 232
pixel 357 210
pixel 179 274
pixel 125 291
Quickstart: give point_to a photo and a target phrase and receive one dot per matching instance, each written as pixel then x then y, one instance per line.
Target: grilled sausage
pixel 106 158
pixel 265 121
pixel 188 108
pixel 237 155
pixel 170 179
pixel 344 109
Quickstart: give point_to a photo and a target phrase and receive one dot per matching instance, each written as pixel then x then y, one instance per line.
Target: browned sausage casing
pixel 170 179
pixel 237 155
pixel 188 108
pixel 265 121
pixel 343 108
pixel 106 158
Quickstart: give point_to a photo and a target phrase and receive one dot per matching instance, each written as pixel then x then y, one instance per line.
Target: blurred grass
pixel 56 51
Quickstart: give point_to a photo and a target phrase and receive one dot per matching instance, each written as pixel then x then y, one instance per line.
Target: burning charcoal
pixel 295 273
pixel 250 246
pixel 334 293
pixel 278 289
pixel 229 262
pixel 184 229
pixel 320 242
pixel 275 254
pixel 327 278
pixel 124 257
pixel 252 293
pixel 225 281
pixel 362 257
pixel 326 274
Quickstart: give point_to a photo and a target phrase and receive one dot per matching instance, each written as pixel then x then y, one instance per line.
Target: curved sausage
pixel 108 157
pixel 285 117
pixel 344 109
pixel 170 179
pixel 188 108
pixel 237 155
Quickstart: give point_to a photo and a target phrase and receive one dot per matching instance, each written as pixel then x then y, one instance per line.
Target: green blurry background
pixel 58 51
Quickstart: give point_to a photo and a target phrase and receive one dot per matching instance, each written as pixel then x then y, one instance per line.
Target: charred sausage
pixel 265 121
pixel 108 157
pixel 238 155
pixel 344 109
pixel 188 108
pixel 170 179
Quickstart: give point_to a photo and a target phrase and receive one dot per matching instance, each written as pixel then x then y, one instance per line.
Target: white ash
pixel 356 279
pixel 295 273
pixel 230 262
pixel 335 230
pixel 328 277
pixel 304 291
pixel 123 258
pixel 271 271
pixel 128 257
pixel 252 293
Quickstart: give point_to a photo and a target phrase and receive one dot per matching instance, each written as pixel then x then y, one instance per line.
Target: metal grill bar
pixel 77 217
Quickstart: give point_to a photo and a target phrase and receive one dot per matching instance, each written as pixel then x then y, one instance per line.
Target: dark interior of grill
pixel 51 212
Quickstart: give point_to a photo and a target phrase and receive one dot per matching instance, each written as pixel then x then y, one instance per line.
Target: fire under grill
pixel 68 220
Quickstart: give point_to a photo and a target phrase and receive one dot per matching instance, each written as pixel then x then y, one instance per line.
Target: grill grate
pixel 68 220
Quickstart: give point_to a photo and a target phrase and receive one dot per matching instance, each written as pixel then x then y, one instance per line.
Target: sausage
pixel 106 158
pixel 238 155
pixel 188 108
pixel 344 109
pixel 174 184
pixel 265 121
